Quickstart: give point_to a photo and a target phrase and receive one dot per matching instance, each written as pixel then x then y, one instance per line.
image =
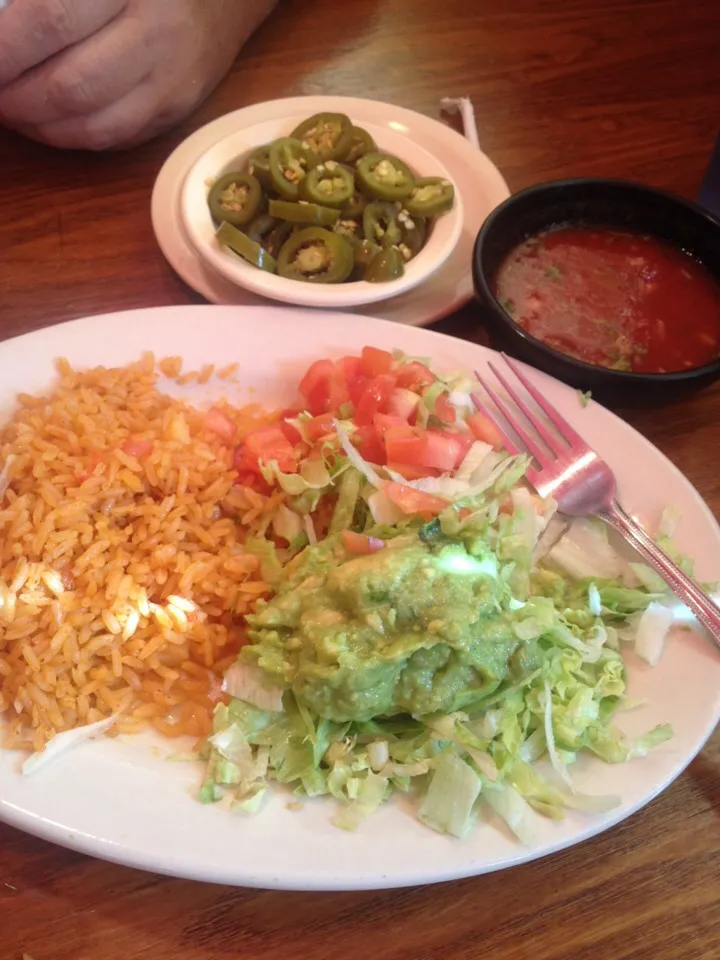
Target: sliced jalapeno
pixel 316 255
pixel 350 229
pixel 380 224
pixel 235 198
pixel 413 234
pixel 269 232
pixel 303 213
pixel 353 209
pixel 259 166
pixel 328 135
pixel 289 163
pixel 430 197
pixel 278 236
pixel 385 177
pixel 360 143
pixel 240 243
pixel 365 252
pixel 386 265
pixel 330 184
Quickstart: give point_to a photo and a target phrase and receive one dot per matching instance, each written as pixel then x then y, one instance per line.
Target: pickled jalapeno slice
pixel 328 135
pixel 235 198
pixel 385 177
pixel 289 164
pixel 243 246
pixel 330 184
pixel 430 197
pixel 303 212
pixel 360 143
pixel 316 255
pixel 380 223
pixel 386 265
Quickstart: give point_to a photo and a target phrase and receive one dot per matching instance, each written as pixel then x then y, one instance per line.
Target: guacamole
pixel 409 629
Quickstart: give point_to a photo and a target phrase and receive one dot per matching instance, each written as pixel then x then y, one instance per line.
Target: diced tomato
pixel 415 376
pixel 374 399
pixel 414 502
pixel 403 403
pixel 349 367
pixel 96 458
pixel 292 434
pixel 464 441
pixel 484 429
pixel 412 473
pixel 137 447
pixel 318 427
pixel 269 443
pixel 249 478
pixel 315 386
pixel 375 362
pixel 423 448
pixel 369 445
pixel 360 543
pixel 444 410
pixel 356 387
pixel 387 421
pixel 289 432
pixel 219 423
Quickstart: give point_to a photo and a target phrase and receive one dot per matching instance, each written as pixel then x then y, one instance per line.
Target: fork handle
pixel 706 611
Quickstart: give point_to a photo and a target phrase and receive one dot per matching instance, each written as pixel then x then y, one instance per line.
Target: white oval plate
pixel 476 179
pixel 121 799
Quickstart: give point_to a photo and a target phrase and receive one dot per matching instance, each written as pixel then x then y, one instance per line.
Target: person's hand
pixel 97 74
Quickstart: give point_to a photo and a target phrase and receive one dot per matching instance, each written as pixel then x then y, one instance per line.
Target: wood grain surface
pixel 627 88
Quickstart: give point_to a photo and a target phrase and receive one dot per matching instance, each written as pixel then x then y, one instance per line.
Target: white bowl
pixel 229 154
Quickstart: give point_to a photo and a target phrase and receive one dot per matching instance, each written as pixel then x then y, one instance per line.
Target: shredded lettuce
pixel 448 804
pixel 568 598
pixel 313 475
pixel 270 566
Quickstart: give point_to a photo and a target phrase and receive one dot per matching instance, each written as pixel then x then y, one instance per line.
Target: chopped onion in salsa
pixel 613 298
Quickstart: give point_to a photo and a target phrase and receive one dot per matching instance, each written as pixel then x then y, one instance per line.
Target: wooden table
pixel 626 89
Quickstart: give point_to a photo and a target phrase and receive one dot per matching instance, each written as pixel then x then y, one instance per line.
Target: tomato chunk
pixel 319 426
pixel 412 473
pixel 444 410
pixel 360 543
pixel 415 376
pixel 403 403
pixel 484 429
pixel 375 362
pixel 137 447
pixel 316 384
pixel 423 448
pixel 374 399
pixel 387 421
pixel 269 443
pixel 369 445
pixel 349 367
pixel 356 385
pixel 219 423
pixel 414 502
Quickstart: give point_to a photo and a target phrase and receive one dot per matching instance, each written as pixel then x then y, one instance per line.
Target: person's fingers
pixel 136 117
pixel 81 80
pixel 31 31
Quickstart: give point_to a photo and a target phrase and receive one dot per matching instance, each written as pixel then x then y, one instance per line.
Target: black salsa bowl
pixel 593 202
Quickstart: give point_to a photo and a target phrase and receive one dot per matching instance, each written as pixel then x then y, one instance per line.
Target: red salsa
pixel 613 298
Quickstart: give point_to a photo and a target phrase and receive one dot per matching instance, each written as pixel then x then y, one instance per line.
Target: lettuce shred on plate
pixel 435 627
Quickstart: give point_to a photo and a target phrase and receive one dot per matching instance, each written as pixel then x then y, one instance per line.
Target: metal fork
pixel 581 483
